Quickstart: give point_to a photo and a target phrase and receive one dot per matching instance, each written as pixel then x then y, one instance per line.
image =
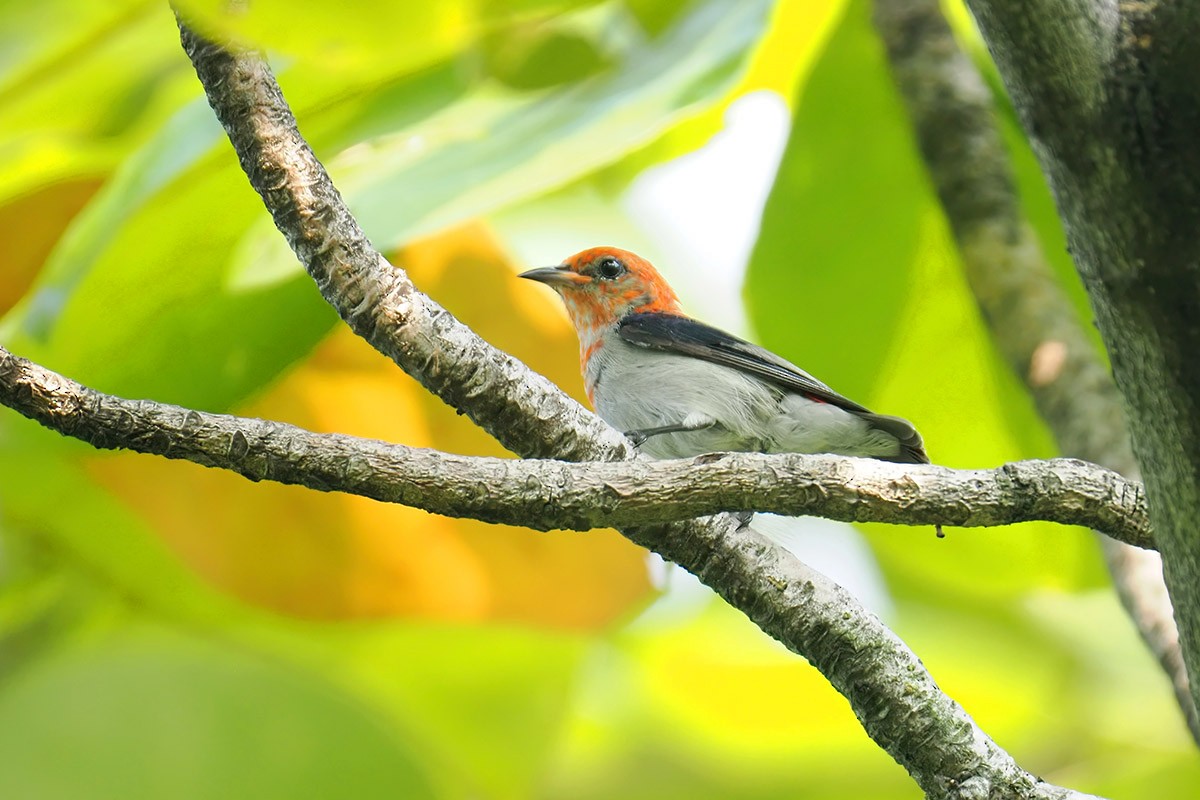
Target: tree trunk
pixel 1109 97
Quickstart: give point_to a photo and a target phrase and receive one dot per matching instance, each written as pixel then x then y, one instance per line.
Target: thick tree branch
pixel 522 409
pixel 899 704
pixel 1032 320
pixel 1125 173
pixel 548 495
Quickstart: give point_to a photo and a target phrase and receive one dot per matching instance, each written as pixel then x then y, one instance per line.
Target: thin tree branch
pixel 547 495
pixel 1032 321
pixel 896 700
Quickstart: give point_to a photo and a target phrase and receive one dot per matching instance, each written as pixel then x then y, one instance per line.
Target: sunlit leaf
pixel 74 96
pixel 408 34
pixel 710 707
pixel 832 264
pixel 501 148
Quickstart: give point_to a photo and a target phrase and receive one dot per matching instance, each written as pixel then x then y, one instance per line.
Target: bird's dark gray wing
pixel 672 333
pixel 675 334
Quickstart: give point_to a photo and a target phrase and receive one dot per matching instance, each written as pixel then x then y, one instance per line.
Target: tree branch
pixel 896 700
pixel 1067 42
pixel 522 409
pixel 547 495
pixel 1031 319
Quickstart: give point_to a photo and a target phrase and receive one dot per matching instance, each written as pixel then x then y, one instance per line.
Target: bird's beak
pixel 561 275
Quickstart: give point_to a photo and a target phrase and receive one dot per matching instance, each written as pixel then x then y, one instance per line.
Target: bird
pixel 678 387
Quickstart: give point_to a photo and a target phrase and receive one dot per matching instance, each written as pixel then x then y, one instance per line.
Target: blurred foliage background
pixel 171 631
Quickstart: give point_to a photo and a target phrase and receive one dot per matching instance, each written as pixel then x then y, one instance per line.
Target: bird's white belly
pixel 648 389
pixel 635 389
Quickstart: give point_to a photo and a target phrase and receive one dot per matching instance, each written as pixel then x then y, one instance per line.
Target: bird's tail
pixel 912 446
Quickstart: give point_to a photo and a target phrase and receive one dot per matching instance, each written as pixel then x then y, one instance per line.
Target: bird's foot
pixel 694 422
pixel 637 437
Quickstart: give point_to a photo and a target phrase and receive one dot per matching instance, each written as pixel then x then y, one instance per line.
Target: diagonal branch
pixel 1032 321
pixel 548 495
pixel 379 302
pixel 894 697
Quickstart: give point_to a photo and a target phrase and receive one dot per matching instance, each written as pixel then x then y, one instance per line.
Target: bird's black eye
pixel 609 268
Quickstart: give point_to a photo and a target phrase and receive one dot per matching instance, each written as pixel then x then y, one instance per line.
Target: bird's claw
pixel 637 437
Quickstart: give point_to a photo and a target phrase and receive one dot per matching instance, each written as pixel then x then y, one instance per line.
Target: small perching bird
pixel 679 387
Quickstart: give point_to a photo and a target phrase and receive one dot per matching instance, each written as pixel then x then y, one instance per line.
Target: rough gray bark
pixel 1031 319
pixel 1108 94
pixel 546 495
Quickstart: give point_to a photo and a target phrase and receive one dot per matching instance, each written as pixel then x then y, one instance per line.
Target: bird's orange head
pixel 601 285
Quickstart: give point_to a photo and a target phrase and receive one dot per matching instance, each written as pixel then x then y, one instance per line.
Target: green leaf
pixel 832 266
pixel 152 316
pixel 75 97
pixel 945 375
pixel 490 701
pixel 50 501
pixel 157 714
pixel 499 147
pixel 189 135
pixel 373 34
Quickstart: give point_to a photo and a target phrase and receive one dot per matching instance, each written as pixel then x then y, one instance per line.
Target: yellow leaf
pixel 333 556
pixel 30 226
